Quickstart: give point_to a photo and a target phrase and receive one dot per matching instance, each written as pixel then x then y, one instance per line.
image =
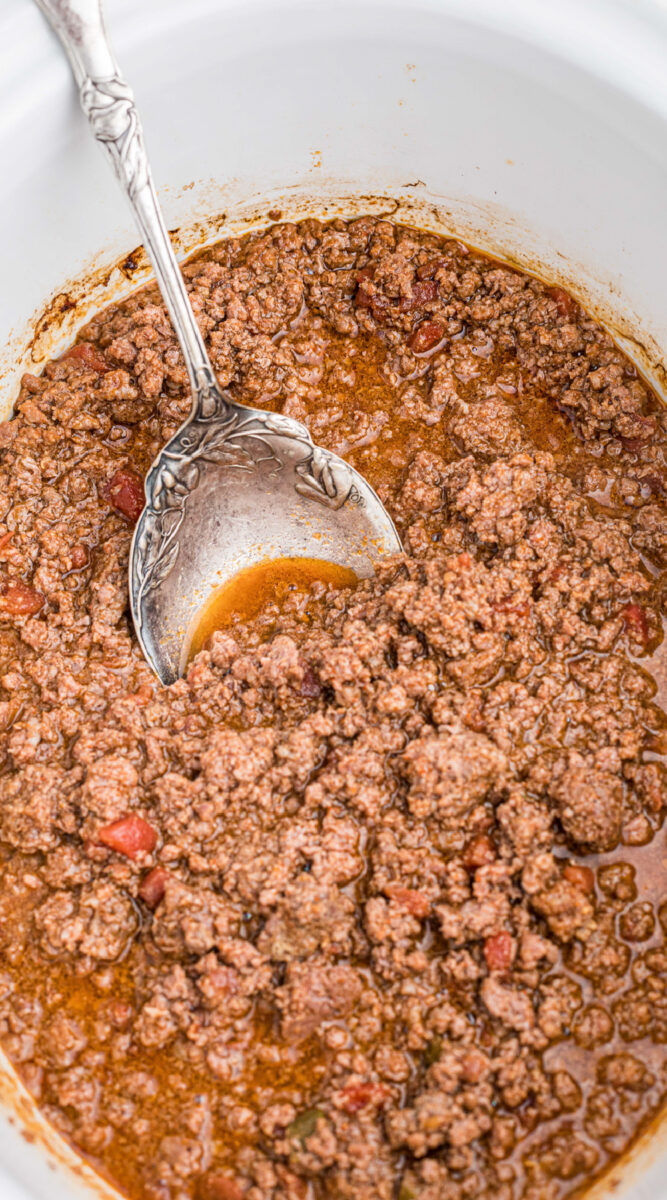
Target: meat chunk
pixel 314 992
pixel 98 920
pixel 566 907
pixel 590 807
pixel 110 786
pixel 510 1005
pixel 191 920
pixel 35 809
pixel 448 773
pixel 310 916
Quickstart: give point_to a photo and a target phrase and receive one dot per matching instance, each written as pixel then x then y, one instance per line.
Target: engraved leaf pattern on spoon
pixel 109 106
pixel 243 443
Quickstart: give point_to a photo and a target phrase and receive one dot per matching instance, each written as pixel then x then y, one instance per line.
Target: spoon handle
pixel 108 103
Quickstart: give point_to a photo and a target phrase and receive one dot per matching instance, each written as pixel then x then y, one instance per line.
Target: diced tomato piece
pixel 130 835
pixel 416 903
pixel 425 336
pixel 499 951
pixel 125 492
pixel 356 1096
pixel 580 877
pixel 222 1187
pixel 21 600
pixel 152 886
pixel 636 622
pixel 89 355
pixel 564 302
pixel 423 292
pixel 480 852
pixel 5 540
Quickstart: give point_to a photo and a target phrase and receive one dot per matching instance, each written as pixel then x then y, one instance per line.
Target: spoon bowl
pixel 228 491
pixel 235 485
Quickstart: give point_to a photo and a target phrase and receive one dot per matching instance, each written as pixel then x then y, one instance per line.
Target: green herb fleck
pixel 433 1050
pixel 305 1124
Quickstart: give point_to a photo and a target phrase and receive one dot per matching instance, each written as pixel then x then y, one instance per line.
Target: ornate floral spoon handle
pixel 108 102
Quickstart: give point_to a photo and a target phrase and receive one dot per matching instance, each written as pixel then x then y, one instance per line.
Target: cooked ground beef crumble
pixel 369 906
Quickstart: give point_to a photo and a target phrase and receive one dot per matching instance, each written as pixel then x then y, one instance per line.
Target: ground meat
pixel 311 917
pixel 191 921
pixel 449 773
pixel 369 903
pixel 589 806
pixel 314 992
pixel 509 1005
pixel 98 920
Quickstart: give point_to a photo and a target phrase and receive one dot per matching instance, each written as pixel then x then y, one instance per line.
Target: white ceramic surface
pixel 536 128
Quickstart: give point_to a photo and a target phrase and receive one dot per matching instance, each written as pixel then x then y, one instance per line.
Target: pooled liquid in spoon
pixel 269 582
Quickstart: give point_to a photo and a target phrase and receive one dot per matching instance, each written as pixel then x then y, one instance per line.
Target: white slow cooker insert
pixel 538 131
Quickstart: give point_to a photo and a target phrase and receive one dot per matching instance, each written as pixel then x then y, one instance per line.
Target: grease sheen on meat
pixel 369 905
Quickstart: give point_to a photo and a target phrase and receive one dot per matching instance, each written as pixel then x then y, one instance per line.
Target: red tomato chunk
pixel 499 951
pixel 130 835
pixel 479 853
pixel 79 557
pixel 414 902
pixel 367 297
pixel 21 600
pixel 356 1096
pixel 125 493
pixel 564 302
pixel 425 336
pixel 423 292
pixel 151 889
pixel 636 622
pixel 89 355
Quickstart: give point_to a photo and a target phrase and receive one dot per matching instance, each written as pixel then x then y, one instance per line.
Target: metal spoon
pixel 235 485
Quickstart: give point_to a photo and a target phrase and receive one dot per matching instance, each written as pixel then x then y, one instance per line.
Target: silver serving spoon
pixel 235 485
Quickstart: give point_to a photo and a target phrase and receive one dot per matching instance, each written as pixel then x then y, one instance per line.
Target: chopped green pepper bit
pixel 305 1124
pixel 433 1050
